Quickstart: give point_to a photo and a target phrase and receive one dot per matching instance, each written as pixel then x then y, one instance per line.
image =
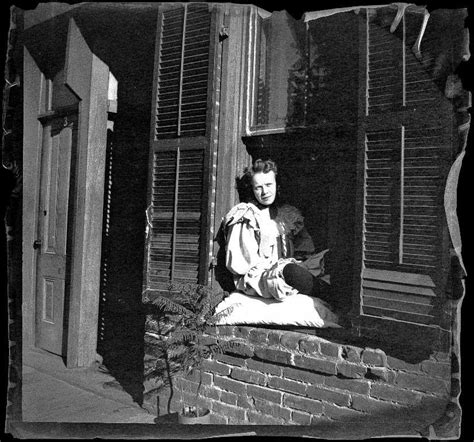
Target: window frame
pixel 257 15
pixel 360 324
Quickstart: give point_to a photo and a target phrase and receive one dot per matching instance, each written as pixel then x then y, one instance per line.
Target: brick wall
pixel 285 377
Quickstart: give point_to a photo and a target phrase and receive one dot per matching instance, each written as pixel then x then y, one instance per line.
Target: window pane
pixel 305 71
pixel 332 86
pixel 280 72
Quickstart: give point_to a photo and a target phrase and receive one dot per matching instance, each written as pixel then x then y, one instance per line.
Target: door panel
pixel 59 140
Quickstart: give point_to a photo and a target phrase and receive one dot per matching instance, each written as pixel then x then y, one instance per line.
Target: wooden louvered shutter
pixel 408 151
pixel 403 222
pixel 182 93
pixel 179 181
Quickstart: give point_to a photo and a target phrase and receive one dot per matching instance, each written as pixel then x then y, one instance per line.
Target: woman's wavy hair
pixel 244 183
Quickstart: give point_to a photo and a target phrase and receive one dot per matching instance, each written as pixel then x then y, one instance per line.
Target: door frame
pixel 88 77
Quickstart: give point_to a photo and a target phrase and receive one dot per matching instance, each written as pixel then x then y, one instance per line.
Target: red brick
pixel 231 360
pixel 206 379
pixel 211 330
pixel 230 385
pixel 350 370
pixel 241 332
pixel 228 397
pixel 351 354
pixel 287 385
pixel 368 405
pixel 302 403
pixel 199 375
pixel 315 364
pixel 309 345
pixel 249 376
pixel 441 356
pixel 436 406
pixel 274 337
pixel 387 392
pixel 204 402
pixel 352 385
pixel 374 357
pixel 234 421
pixel 264 367
pixel 300 417
pixel 210 339
pixel 437 369
pixel 190 399
pixel 290 340
pixel 272 409
pixel 455 387
pixel 341 413
pixel 217 419
pixel 303 375
pixel 245 402
pixel 381 373
pixel 215 367
pixel 262 419
pixel 324 394
pixel 398 364
pixel 330 349
pixel 186 385
pixel 264 393
pixel 241 349
pixel 210 392
pixel 228 410
pixel 225 330
pixel 273 355
pixel 421 383
pixel 258 336
pixel 321 420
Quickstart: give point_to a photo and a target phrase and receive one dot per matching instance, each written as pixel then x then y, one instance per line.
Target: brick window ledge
pixel 279 376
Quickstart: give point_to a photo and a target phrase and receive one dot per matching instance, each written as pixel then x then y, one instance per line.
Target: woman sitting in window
pixel 264 241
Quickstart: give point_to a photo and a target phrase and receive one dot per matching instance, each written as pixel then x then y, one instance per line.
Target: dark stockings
pixel 299 278
pixel 303 281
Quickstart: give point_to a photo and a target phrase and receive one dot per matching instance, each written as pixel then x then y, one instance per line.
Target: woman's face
pixel 264 187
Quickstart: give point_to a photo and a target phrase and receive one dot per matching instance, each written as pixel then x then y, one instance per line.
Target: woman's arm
pixel 241 248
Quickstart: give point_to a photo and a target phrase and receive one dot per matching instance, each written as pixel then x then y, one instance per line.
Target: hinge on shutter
pixel 213 263
pixel 223 33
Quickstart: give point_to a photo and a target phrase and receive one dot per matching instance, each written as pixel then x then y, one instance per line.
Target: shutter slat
pixel 394 287
pixel 413 279
pixel 404 174
pixel 382 91
pixel 399 296
pixel 403 316
pixel 171 108
pixel 181 251
pixel 377 237
pixel 400 306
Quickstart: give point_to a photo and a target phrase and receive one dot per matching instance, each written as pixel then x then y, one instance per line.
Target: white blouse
pixel 258 247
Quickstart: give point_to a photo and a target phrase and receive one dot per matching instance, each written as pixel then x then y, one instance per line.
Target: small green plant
pixel 185 312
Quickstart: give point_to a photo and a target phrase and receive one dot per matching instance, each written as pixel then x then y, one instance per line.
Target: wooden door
pixel 58 150
pixel 65 135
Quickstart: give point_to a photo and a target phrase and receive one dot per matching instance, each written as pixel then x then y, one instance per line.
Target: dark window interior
pixel 316 174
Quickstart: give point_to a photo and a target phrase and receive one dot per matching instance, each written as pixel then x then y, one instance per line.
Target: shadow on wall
pixel 124 46
pixel 121 319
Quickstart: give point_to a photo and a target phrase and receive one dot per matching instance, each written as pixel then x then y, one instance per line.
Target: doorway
pixel 65 133
pixel 58 154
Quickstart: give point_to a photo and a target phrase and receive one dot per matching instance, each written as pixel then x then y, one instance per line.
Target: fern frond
pixel 222 314
pixel 167 305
